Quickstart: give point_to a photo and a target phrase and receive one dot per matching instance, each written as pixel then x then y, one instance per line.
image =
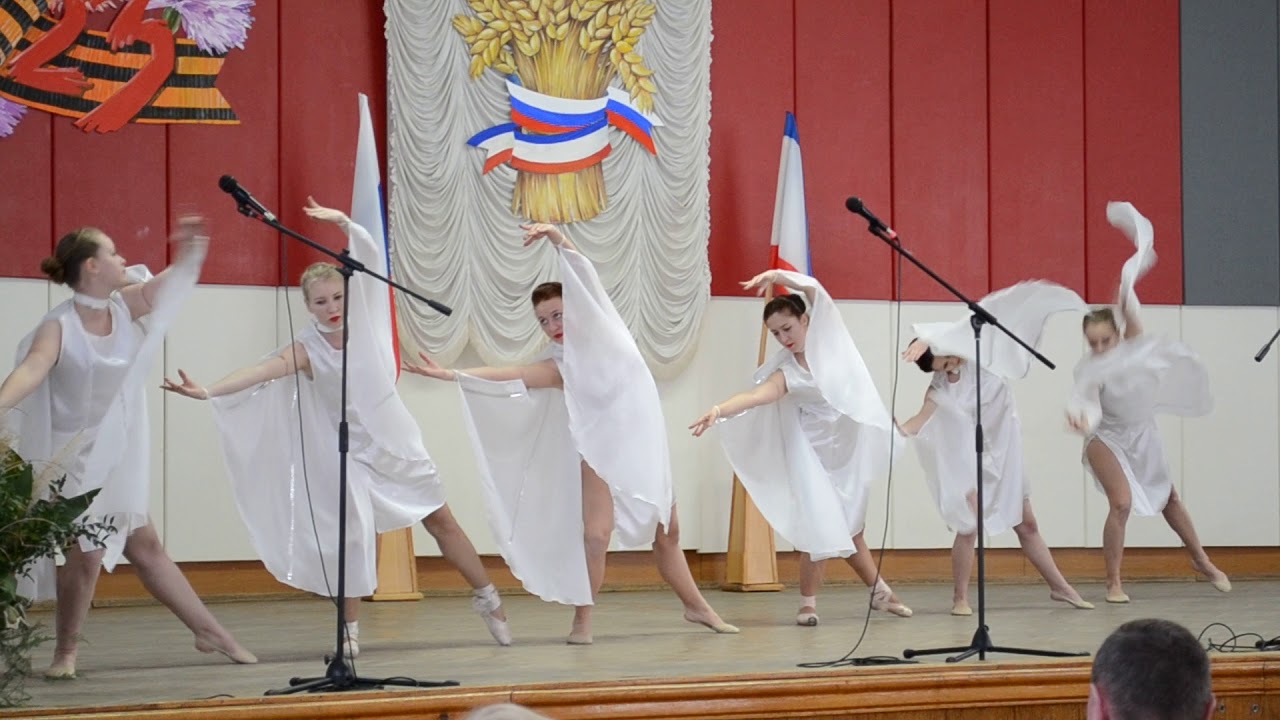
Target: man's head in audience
pixel 1151 670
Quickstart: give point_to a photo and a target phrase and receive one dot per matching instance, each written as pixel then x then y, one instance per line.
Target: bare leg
pixel 165 581
pixel 597 522
pixel 961 571
pixel 1034 547
pixel 458 550
pixel 76 581
pixel 1114 483
pixel 883 598
pixel 351 617
pixel 811 574
pixel 1175 513
pixel 675 570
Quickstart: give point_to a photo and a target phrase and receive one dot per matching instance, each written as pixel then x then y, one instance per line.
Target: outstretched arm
pixel 534 232
pixel 543 374
pixel 192 241
pixel 912 426
pixel 35 367
pixel 768 278
pixel 771 390
pixel 272 368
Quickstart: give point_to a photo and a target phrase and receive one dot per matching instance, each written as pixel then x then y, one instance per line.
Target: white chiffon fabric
pixel 1120 392
pixel 650 242
pixel 88 418
pixel 945 442
pixel 529 444
pixel 279 440
pixel 808 460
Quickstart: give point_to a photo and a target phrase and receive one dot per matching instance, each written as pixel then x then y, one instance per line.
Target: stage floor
pixel 143 654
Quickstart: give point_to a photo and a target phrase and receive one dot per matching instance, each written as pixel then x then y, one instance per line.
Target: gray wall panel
pixel 1230 157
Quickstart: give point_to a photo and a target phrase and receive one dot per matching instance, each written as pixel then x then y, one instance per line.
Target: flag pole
pixel 752 559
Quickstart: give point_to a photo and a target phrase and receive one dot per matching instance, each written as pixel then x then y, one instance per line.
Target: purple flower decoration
pixel 216 26
pixel 10 115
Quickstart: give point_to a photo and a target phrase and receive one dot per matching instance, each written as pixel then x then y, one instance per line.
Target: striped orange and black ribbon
pixel 188 96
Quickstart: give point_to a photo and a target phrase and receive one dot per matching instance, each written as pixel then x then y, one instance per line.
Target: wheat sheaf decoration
pixel 560 59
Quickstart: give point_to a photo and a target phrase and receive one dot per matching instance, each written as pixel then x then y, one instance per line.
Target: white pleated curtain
pixel 453 232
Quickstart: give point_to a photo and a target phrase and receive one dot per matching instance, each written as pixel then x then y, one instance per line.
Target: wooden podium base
pixel 397 567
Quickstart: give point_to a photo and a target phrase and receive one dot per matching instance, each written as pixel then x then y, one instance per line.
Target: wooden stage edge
pixel 249 580
pixel 1247 686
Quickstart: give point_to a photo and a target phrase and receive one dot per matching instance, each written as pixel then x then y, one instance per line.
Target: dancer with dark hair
pixel 943 430
pixel 1120 385
pixel 809 440
pixel 79 387
pixel 573 447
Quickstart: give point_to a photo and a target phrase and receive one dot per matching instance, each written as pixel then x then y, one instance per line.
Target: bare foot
pixel 227 646
pixel 710 619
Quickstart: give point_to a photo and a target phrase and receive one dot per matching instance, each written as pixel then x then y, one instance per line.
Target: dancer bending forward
pixel 285 477
pixel 810 438
pixel 574 447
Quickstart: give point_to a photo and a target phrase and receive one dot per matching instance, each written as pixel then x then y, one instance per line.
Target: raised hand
pixel 1078 423
pixel 318 212
pixel 914 351
pixel 191 233
pixel 705 422
pixel 430 369
pixel 188 387
pixel 761 282
pixel 534 232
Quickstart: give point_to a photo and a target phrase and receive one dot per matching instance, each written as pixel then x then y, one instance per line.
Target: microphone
pixel 855 206
pixel 1266 348
pixel 233 188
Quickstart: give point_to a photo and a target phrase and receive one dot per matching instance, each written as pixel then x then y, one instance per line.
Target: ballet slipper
pixel 882 599
pixel 807 617
pixel 486 602
pixel 61 669
pixel 235 653
pixel 719 626
pixel 1077 603
pixel 1118 597
pixel 579 637
pixel 1221 584
pixel 1214 576
pixel 961 609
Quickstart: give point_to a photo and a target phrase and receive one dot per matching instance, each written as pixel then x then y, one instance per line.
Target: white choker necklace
pixel 91 302
pixel 326 329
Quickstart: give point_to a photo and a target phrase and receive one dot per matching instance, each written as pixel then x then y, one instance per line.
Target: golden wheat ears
pixel 500 28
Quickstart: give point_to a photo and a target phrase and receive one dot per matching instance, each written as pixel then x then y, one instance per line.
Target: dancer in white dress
pixel 810 438
pixel 944 430
pixel 285 482
pixel 573 447
pixel 79 390
pixel 1120 385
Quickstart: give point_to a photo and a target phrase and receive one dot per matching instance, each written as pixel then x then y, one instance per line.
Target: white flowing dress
pixel 280 444
pixel 808 460
pixel 944 443
pixel 88 419
pixel 529 445
pixel 1120 392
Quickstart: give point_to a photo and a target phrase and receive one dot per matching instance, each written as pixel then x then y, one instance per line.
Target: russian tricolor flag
pixel 368 206
pixel 790 240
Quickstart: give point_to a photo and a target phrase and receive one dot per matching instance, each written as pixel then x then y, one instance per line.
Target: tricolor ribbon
pixel 554 135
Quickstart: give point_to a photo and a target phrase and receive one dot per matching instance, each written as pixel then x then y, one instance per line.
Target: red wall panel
pixel 1133 137
pixel 117 182
pixel 328 54
pixel 243 252
pixel 842 106
pixel 26 166
pixel 940 142
pixel 751 89
pixel 1036 113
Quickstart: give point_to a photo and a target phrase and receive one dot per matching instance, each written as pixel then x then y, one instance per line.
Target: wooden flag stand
pixel 752 560
pixel 397 567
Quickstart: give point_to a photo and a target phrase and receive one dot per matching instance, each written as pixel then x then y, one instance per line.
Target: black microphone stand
pixel 1266 348
pixel 981 643
pixel 339 675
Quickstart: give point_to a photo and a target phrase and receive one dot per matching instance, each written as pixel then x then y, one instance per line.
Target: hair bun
pixel 52 268
pixel 796 299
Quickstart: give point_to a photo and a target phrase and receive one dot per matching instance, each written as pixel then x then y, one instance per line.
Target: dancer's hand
pixel 761 282
pixel 430 369
pixel 188 387
pixel 914 351
pixel 1078 423
pixel 703 423
pixel 191 235
pixel 534 232
pixel 318 212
